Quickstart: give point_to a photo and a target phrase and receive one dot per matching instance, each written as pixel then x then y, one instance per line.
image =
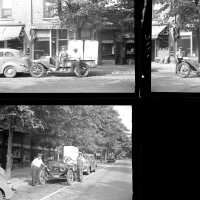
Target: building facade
pixel 34 27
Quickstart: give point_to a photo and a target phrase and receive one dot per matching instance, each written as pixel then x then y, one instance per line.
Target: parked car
pixel 65 169
pixel 13 61
pixel 92 162
pixel 47 64
pixel 6 191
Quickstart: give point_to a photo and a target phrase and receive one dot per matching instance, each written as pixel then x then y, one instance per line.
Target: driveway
pixel 106 78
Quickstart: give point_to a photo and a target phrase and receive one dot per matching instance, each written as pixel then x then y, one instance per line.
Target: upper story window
pixel 6 9
pixel 50 8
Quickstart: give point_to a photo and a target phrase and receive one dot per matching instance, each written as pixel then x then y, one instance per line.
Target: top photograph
pixel 67 46
pixel 175 65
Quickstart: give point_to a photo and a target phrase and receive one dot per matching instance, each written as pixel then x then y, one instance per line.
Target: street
pixel 103 79
pixel 110 181
pixel 164 79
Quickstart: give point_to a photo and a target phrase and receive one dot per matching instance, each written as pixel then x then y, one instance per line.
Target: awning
pixel 156 31
pixel 9 32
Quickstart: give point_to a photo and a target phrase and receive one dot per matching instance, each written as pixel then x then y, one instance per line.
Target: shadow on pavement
pixel 120 169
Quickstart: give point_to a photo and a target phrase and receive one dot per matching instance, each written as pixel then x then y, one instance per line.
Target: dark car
pixel 92 162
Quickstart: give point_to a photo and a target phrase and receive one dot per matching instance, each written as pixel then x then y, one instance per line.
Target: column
pixel 50 42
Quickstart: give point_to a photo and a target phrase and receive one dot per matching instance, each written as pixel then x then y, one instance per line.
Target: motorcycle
pixel 184 67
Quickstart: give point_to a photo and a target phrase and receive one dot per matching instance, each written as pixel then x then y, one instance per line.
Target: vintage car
pixel 6 191
pixel 13 61
pixel 47 64
pixel 65 168
pixel 92 162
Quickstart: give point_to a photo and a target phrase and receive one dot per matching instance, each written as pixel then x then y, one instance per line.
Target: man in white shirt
pixel 36 167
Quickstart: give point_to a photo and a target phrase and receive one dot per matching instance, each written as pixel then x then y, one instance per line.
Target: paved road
pixel 164 79
pixel 113 181
pixel 106 78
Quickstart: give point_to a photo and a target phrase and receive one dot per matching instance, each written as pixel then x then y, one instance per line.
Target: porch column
pixel 57 43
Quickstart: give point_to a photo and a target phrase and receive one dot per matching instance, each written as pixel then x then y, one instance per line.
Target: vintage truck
pixel 65 168
pixel 80 66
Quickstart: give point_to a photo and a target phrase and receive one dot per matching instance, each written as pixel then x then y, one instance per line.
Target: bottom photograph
pixel 74 152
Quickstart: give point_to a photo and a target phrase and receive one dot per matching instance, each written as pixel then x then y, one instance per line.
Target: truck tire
pixel 37 70
pixel 69 177
pixel 81 69
pixel 42 177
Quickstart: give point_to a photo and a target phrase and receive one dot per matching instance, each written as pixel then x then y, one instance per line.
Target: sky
pixel 125 113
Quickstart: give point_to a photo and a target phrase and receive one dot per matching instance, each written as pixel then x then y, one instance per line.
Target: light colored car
pixel 6 191
pixel 13 61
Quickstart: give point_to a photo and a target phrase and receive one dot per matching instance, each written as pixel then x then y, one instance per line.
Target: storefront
pixel 48 42
pixel 12 36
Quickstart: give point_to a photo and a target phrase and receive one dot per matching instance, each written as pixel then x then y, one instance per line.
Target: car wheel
pixel 2 195
pixel 38 70
pixel 183 70
pixel 81 70
pixel 42 177
pixel 10 71
pixel 69 177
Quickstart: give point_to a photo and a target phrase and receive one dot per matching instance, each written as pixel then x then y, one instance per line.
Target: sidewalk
pixel 20 177
pixel 159 67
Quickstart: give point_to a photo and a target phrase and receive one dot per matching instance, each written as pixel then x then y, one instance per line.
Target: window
pixel 50 8
pixel 6 8
pixel 9 54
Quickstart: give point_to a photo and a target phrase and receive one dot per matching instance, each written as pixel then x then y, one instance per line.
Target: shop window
pixel 15 44
pixel 1 44
pixel 50 8
pixel 1 54
pixel 41 48
pixel 6 9
pixel 9 54
pixel 62 34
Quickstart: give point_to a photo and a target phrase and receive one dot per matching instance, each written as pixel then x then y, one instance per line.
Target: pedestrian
pixel 36 167
pixel 80 167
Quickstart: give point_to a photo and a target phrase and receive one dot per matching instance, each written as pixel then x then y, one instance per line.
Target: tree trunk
pixel 99 36
pixel 9 151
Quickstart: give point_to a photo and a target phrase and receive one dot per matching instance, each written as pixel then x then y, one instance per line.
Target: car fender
pixel 16 65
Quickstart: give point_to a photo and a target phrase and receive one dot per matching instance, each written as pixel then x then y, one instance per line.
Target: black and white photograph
pixel 175 46
pixel 56 152
pixel 67 46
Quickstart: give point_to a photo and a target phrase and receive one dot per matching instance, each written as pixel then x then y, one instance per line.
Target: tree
pixel 15 116
pixel 186 14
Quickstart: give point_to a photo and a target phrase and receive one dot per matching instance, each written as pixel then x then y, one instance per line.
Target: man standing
pixel 80 167
pixel 36 167
pixel 63 56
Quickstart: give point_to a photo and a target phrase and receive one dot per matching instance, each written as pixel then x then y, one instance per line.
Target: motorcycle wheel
pixel 37 70
pixel 183 70
pixel 81 70
pixel 69 177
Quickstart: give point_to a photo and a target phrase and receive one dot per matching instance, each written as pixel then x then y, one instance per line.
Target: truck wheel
pixel 69 177
pixel 37 70
pixel 183 70
pixel 2 196
pixel 10 71
pixel 42 177
pixel 81 69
